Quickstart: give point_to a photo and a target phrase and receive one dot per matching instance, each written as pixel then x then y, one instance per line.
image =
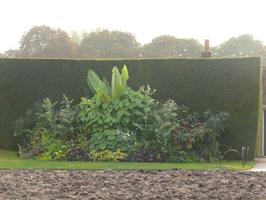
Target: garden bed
pixel 176 184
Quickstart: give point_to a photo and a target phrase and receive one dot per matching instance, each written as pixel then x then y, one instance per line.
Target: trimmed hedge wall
pixel 231 85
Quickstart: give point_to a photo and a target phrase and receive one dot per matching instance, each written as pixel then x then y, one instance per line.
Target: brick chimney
pixel 206 53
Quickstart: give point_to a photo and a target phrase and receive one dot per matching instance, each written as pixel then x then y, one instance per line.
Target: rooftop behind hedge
pixel 231 85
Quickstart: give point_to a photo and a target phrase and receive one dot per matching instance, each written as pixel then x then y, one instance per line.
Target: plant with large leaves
pixel 114 109
pixel 102 89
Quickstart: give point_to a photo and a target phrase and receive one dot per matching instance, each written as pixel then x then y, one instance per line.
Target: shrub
pixel 103 112
pixel 168 132
pixel 112 140
pixel 108 155
pixel 52 126
pixel 155 131
pixel 199 134
pixel 96 115
pixel 53 149
pixel 77 154
pixel 58 119
pixel 216 125
pixel 23 128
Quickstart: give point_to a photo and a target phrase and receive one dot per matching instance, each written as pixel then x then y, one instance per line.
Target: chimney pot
pixel 207 51
pixel 207 45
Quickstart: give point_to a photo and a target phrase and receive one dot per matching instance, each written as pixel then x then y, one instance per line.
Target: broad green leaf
pixel 124 78
pixel 116 82
pixel 96 84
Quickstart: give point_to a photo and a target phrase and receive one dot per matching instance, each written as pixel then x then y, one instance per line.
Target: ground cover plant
pixel 119 124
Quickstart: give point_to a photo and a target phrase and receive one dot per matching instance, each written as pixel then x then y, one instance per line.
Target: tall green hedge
pixel 231 85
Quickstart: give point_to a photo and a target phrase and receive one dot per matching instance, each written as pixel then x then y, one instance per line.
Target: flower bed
pixel 119 124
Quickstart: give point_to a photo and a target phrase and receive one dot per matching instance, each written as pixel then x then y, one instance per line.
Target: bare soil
pixel 81 184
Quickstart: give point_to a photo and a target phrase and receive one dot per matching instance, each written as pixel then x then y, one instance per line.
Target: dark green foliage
pixel 171 133
pixel 77 154
pixel 98 114
pixel 230 85
pixel 216 122
pixel 52 126
pixel 202 132
pixel 24 125
pixel 156 132
pixel 59 119
pixel 112 140
pixel 152 131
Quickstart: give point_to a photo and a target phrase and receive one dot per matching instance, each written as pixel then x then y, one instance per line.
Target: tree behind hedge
pixel 241 46
pixel 43 41
pixel 167 46
pixel 109 44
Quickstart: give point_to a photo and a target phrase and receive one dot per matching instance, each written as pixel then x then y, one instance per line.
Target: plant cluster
pixel 119 123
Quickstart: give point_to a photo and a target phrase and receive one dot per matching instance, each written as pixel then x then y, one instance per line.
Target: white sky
pixel 217 20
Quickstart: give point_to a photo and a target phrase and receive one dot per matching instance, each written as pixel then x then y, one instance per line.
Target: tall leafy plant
pixel 119 82
pixel 117 109
pixel 97 86
pixel 101 88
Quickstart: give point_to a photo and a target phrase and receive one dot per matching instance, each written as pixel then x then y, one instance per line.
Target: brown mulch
pixel 63 184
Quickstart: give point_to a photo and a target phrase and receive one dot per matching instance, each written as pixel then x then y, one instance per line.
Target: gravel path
pixel 60 184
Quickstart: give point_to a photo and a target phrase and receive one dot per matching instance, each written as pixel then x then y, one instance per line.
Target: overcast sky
pixel 216 20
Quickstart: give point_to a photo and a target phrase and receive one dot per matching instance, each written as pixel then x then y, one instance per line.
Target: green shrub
pixel 155 131
pixel 108 155
pixel 53 149
pixel 77 154
pixel 168 132
pixel 52 126
pixel 199 134
pixel 112 140
pixel 103 112
pixel 96 115
pixel 58 119
pixel 24 127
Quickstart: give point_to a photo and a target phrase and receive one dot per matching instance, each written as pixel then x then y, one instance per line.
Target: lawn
pixel 9 160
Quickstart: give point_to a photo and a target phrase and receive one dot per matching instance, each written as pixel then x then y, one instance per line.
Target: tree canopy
pixel 43 41
pixel 172 47
pixel 241 46
pixel 109 44
pixel 46 42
